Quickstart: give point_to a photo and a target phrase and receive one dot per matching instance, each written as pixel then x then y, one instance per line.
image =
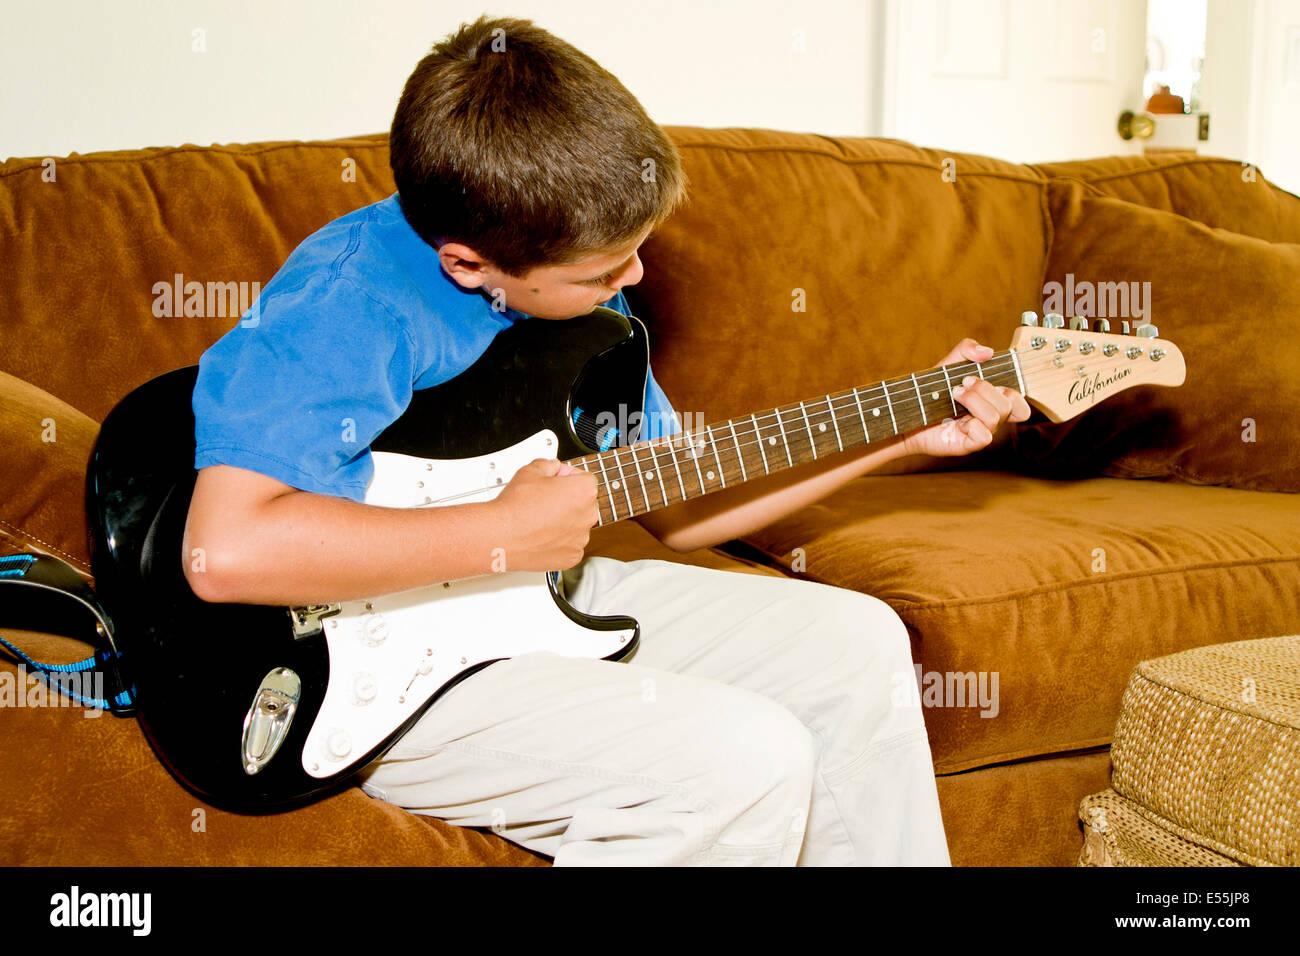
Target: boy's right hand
pixel 548 509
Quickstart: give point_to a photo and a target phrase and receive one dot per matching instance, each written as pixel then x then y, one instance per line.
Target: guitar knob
pixel 1148 331
pixel 339 744
pixel 374 629
pixel 1053 320
pixel 363 688
pixel 1102 325
pixel 1029 318
pixel 1078 323
pixel 1124 327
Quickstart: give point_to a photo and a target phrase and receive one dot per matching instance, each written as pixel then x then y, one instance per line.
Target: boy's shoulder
pixel 373 248
pixel 370 265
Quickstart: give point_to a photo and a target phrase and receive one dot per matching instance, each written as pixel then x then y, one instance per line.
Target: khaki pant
pixel 758 723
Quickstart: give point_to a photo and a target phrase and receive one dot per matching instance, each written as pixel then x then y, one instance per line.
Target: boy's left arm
pixel 734 512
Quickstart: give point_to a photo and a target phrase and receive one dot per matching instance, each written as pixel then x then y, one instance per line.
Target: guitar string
pixel 999 362
pixel 841 404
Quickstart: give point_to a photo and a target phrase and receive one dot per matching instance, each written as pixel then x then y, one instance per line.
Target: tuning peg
pixel 1148 331
pixel 1078 323
pixel 1053 320
pixel 1124 327
pixel 1102 326
pixel 1029 318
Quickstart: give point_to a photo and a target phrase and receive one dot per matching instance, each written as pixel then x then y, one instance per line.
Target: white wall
pixel 1273 130
pixel 84 75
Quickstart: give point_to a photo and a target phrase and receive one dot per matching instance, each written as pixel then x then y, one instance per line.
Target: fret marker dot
pixel 821 427
pixel 708 475
pixel 614 485
pixel 876 412
pixel 771 441
pixel 934 395
pixel 650 475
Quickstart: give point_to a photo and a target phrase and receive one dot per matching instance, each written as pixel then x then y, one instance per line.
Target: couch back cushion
pixel 89 243
pixel 1229 302
pixel 1222 193
pixel 803 264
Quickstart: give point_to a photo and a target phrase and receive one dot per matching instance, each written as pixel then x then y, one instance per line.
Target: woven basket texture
pixel 1206 750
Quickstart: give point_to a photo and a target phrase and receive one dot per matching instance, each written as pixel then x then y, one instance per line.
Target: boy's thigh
pixel 526 740
pixel 732 673
pixel 837 659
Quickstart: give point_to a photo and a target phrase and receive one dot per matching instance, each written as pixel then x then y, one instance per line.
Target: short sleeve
pixel 658 417
pixel 302 385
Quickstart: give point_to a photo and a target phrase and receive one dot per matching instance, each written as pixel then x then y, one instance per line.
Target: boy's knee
pixel 771 762
pixel 866 635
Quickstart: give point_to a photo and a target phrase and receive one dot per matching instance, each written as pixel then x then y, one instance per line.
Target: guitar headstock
pixel 1068 370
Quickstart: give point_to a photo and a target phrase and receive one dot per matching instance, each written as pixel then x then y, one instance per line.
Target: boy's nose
pixel 629 276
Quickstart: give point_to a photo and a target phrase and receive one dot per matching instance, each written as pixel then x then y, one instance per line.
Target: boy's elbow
pixel 209 573
pixel 208 560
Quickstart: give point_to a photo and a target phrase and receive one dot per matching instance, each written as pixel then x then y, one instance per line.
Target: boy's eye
pixel 599 280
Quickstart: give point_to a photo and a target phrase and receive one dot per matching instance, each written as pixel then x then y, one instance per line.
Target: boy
pixel 753 725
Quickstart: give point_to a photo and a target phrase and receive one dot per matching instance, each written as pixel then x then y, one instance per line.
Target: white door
pixel 1022 80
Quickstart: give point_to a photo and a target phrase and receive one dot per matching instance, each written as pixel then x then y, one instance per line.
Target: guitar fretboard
pixel 646 475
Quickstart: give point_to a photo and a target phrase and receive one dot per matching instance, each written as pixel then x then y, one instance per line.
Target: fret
pixel 920 403
pixel 1015 364
pixel 806 424
pixel 761 450
pixel 695 457
pixel 713 444
pixel 744 476
pixel 857 398
pixel 677 468
pixel 979 371
pixel 622 481
pixel 947 381
pixel 819 431
pixel 784 440
pixel 884 387
pixel 657 468
pixel 645 495
pixel 658 471
pixel 604 480
pixel 834 423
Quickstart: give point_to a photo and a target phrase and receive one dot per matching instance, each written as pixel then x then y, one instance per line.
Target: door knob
pixel 1137 125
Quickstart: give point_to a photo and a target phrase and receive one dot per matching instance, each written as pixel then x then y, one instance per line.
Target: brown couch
pixel 1056 559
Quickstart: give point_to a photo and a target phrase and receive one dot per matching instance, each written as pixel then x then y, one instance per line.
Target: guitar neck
pixel 647 475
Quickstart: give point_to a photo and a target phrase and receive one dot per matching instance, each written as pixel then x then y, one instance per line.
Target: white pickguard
pixel 389 655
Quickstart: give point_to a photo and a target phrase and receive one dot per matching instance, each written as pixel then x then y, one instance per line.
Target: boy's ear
pixel 463 264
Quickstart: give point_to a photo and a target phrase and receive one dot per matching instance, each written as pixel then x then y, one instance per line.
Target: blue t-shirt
pixel 359 315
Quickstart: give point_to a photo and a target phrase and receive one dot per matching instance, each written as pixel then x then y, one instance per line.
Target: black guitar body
pixel 195 666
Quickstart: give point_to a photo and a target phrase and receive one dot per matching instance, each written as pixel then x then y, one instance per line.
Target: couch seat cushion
pixel 1057 587
pixel 88 791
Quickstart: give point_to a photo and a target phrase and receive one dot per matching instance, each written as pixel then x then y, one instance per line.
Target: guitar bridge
pixel 307 619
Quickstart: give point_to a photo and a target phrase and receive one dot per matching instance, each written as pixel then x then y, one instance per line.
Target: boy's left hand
pixel 988 405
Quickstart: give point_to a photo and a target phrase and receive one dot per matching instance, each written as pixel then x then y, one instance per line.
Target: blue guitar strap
pixel 43 593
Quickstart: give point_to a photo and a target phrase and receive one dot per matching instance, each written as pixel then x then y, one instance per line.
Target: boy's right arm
pixel 265 542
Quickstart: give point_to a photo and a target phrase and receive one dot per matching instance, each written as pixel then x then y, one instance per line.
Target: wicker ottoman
pixel 1205 762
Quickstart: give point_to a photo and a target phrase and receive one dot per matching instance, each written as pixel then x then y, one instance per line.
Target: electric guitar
pixel 260 708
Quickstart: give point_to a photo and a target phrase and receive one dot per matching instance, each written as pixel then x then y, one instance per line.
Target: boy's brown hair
pixel 511 141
